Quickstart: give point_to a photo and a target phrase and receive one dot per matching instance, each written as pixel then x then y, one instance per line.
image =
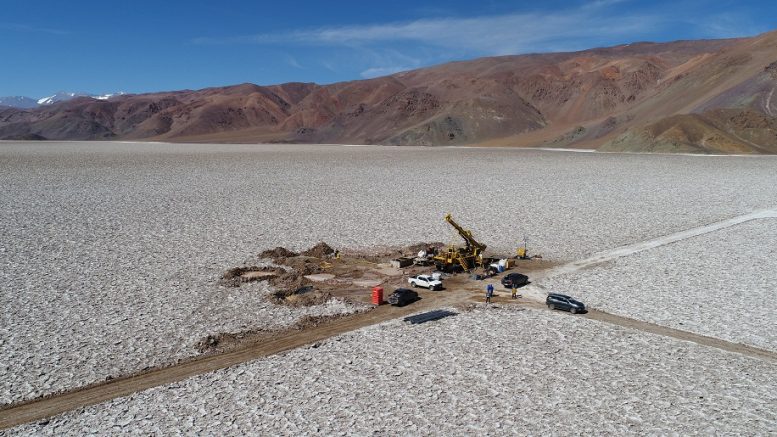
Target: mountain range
pixel 22 102
pixel 18 102
pixel 705 96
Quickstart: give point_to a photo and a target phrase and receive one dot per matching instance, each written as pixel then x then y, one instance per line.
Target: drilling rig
pixel 460 258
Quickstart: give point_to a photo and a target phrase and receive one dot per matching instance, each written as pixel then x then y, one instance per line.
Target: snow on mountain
pixel 63 96
pixel 59 97
pixel 18 102
pixel 108 96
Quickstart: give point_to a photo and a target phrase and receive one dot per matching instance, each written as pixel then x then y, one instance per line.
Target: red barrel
pixel 377 295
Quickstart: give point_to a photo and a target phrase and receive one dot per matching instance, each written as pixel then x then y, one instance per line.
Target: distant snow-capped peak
pixel 58 97
pixel 63 96
pixel 108 96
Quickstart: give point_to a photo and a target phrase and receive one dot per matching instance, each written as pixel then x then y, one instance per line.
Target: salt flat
pixel 719 284
pixel 488 371
pixel 111 251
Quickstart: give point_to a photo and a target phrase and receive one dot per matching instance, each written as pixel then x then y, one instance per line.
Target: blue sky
pixel 142 46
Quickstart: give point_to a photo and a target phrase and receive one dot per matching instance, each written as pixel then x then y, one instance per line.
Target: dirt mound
pixel 288 283
pixel 208 343
pixel 235 276
pixel 278 252
pixel 320 250
pixel 313 298
pixel 302 265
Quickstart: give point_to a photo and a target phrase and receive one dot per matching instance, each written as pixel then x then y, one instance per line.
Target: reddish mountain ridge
pixel 709 96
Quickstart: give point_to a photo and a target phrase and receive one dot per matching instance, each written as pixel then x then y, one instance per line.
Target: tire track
pixel 619 252
pixel 681 335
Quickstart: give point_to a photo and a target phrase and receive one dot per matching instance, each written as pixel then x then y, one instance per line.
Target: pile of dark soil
pixel 298 293
pixel 208 343
pixel 302 265
pixel 234 277
pixel 320 250
pixel 278 252
pixel 308 299
pixel 288 284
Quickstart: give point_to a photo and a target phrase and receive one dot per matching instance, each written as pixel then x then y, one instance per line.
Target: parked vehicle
pixel 402 296
pixel 557 301
pixel 425 281
pixel 515 279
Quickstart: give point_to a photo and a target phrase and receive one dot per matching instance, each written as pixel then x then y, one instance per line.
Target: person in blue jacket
pixel 489 292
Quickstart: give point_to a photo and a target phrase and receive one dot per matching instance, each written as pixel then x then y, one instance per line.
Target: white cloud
pixel 729 25
pixel 383 71
pixel 386 48
pixel 495 35
pixel 292 61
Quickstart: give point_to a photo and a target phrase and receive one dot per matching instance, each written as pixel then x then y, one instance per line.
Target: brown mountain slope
pixel 675 96
pixel 718 131
pixel 722 105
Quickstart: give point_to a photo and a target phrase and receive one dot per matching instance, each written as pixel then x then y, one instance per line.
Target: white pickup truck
pixel 425 281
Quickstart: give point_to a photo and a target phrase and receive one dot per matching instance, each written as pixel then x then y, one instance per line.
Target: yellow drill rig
pixel 460 258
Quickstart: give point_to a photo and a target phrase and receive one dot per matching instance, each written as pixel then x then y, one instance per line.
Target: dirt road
pixel 59 403
pixel 681 335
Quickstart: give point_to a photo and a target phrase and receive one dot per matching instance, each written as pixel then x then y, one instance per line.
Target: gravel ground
pixel 489 371
pixel 720 284
pixel 111 251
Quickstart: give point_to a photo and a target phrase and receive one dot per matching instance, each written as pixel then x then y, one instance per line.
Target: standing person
pixel 489 293
pixel 515 292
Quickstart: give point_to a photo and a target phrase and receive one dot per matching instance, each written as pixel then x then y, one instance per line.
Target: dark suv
pixel 514 280
pixel 402 296
pixel 557 301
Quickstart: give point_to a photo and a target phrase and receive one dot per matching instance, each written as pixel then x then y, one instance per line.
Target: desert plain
pixel 111 255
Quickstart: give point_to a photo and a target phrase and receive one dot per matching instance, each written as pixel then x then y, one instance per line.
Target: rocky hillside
pixel 687 96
